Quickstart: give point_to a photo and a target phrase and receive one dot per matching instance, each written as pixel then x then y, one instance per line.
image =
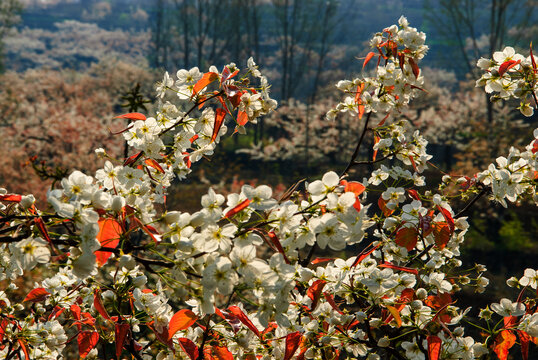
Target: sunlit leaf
pixel 183 319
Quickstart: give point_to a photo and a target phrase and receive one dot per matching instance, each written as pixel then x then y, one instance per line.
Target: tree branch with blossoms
pixel 230 281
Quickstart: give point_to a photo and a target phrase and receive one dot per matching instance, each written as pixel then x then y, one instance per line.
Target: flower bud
pixel 383 342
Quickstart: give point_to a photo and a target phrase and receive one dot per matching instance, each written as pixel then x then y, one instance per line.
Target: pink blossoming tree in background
pixel 240 278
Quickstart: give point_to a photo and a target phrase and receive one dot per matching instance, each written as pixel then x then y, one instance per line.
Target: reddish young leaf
pixel 154 164
pixel 314 292
pixel 383 206
pixel 11 198
pixel 227 74
pixel 109 236
pixel 242 205
pixel 189 347
pixel 75 311
pixel 38 221
pixel 237 312
pixel 412 159
pixel 448 218
pixel 148 229
pixel 120 331
pixel 532 58
pixel 242 118
pixel 321 260
pixel 162 335
pixel 364 254
pixel 414 67
pixel 434 347
pixel 534 147
pixel 24 348
pixel 524 339
pixel 222 353
pixel 57 311
pixel 507 65
pixel 395 314
pixel 510 321
pixel 441 234
pixel 181 320
pixel 132 159
pixel 132 116
pixel 401 268
pixel 37 295
pixel 376 140
pixel 220 114
pixel 87 340
pixel 206 79
pixel 503 342
pixel 276 242
pixel 368 58
pixel 414 194
pixel 353 186
pixel 292 344
pixel 330 300
pixel 407 237
pixel 98 304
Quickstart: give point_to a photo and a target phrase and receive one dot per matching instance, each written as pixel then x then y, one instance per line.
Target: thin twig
pixel 356 152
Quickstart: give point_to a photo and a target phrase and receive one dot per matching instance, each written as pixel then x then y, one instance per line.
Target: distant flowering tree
pixel 240 278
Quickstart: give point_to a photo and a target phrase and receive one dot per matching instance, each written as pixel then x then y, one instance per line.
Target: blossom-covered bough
pixel 239 279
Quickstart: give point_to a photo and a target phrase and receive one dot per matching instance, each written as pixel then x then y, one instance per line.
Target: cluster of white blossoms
pixel 243 277
pixel 397 77
pixel 510 75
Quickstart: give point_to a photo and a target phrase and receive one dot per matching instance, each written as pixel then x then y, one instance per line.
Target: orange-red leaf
pixel 87 340
pixel 413 194
pixel 132 159
pixel 414 67
pixel 154 164
pixel 237 312
pixel 364 254
pixel 368 58
pixel 441 234
pixel 181 320
pixel 383 206
pixel 37 295
pixel 534 147
pixel 507 65
pixel 120 331
pixel 448 218
pixel 503 342
pixel 207 79
pixel 396 267
pixel 98 304
pixel 276 242
pixel 222 353
pixel 314 292
pixel 11 198
pixel 321 260
pixel 434 347
pixel 330 300
pixel 109 236
pixel 292 344
pixel 220 114
pixel 376 140
pixel 242 205
pixel 189 347
pixel 524 339
pixel 407 237
pixel 353 186
pixel 132 116
pixel 24 348
pixel 395 314
pixel 242 118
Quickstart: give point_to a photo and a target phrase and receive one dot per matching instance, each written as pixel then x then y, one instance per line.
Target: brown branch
pixel 356 152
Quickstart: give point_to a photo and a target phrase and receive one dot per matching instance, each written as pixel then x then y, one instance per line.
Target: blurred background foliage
pixel 68 65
